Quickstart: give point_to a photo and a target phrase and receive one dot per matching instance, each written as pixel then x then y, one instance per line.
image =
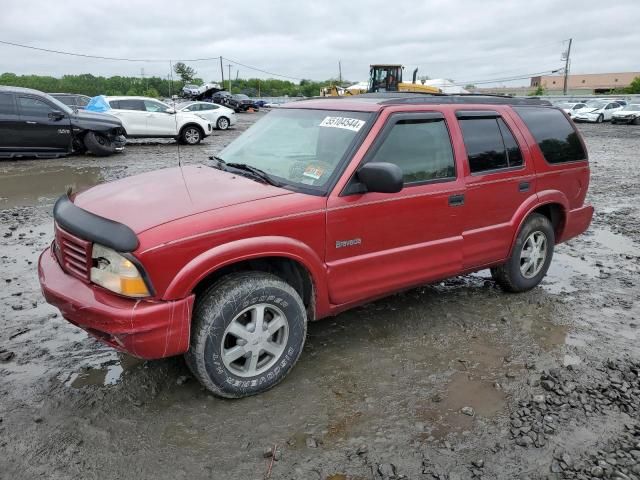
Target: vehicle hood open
pixel 150 199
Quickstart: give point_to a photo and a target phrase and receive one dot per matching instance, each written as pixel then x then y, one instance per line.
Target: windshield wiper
pixel 254 172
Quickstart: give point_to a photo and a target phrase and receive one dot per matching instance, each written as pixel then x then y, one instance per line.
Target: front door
pixel 380 242
pixel 159 122
pixel 42 128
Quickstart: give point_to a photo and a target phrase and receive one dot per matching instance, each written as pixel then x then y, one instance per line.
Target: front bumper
pixel 119 142
pixel 142 328
pixel 585 118
pixel 629 119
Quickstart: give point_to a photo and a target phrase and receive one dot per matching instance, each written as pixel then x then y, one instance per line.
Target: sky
pixel 468 41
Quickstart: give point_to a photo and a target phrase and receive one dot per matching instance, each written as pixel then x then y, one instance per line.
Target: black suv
pixel 237 102
pixel 34 124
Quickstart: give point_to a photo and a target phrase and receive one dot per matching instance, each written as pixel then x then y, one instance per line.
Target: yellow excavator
pixel 382 78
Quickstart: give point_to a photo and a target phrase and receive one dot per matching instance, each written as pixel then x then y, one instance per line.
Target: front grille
pixel 73 254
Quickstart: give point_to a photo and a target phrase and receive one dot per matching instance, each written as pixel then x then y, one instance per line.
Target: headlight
pixel 116 273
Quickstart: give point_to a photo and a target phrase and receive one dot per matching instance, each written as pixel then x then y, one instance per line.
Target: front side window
pixel 490 144
pixel 152 106
pixel 421 148
pixel 33 107
pixel 297 146
pixel 7 106
pixel 83 101
pixel 555 135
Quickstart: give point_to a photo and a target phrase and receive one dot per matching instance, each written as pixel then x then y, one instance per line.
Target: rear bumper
pixel 141 328
pixel 577 222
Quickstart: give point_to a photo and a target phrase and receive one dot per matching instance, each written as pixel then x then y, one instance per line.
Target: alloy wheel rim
pixel 533 254
pixel 223 124
pixel 192 135
pixel 255 340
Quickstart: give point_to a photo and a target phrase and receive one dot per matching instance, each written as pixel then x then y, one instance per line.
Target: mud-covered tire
pixel 223 123
pixel 98 144
pixel 191 135
pixel 223 304
pixel 510 275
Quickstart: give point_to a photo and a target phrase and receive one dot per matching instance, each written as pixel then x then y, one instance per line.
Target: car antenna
pixel 175 117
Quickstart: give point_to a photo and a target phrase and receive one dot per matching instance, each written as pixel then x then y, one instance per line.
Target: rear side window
pixel 129 105
pixel 490 144
pixel 7 105
pixel 555 136
pixel 421 148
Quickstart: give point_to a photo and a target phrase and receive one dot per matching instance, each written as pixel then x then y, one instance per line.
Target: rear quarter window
pixel 554 134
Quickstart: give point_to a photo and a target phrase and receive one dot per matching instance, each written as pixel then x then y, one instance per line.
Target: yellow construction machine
pixel 383 78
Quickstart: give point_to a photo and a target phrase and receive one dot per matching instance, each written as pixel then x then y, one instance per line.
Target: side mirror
pixel 170 111
pixel 56 115
pixel 381 177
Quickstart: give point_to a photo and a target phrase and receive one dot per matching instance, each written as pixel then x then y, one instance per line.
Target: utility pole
pixel 566 67
pixel 340 72
pixel 221 72
pixel 229 65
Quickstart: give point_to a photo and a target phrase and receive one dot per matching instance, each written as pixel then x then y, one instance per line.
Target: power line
pixel 260 70
pixel 508 79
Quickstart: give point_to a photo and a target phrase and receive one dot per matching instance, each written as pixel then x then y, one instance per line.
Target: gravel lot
pixel 450 381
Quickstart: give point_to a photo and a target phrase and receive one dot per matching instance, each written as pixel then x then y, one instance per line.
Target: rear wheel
pixel 222 123
pixel 530 257
pixel 98 144
pixel 191 135
pixel 248 332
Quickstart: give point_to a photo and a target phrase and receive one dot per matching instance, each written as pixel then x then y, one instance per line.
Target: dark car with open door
pixel 34 124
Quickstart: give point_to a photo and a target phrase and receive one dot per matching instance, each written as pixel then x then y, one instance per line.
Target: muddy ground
pixel 450 381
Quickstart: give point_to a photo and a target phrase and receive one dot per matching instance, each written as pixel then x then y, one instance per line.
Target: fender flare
pixel 544 197
pixel 226 254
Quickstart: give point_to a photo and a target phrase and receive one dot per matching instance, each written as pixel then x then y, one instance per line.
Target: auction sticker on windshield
pixel 313 172
pixel 343 122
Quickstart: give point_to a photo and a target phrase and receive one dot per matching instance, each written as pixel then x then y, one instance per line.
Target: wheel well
pixel 192 125
pixel 292 272
pixel 555 213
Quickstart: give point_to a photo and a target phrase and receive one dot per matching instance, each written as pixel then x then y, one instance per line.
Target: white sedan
pixel 571 107
pixel 629 114
pixel 596 111
pixel 219 116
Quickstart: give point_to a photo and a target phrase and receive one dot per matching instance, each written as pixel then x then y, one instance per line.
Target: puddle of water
pixel 615 242
pixel 42 183
pixel 563 270
pixel 107 373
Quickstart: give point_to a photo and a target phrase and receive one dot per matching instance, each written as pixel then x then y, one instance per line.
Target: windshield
pixel 596 104
pixel 300 147
pixel 191 86
pixel 633 107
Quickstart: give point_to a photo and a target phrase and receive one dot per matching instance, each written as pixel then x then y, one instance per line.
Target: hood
pixel 83 117
pixel 151 199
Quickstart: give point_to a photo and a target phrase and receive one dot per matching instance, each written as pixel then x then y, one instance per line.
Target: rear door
pixel 379 242
pixel 497 183
pixel 10 124
pixel 133 114
pixel 41 129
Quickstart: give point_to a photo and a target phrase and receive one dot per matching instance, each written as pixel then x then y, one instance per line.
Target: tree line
pixel 92 85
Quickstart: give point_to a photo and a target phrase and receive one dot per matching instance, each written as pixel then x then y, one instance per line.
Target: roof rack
pixel 391 98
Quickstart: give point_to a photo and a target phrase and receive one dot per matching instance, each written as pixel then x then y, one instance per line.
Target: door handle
pixel 456 200
pixel 524 186
pixel 31 122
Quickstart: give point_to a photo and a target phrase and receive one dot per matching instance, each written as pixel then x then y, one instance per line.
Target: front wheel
pixel 222 123
pixel 600 118
pixel 191 135
pixel 530 257
pixel 248 332
pixel 98 144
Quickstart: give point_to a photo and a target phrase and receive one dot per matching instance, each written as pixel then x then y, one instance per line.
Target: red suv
pixel 320 206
